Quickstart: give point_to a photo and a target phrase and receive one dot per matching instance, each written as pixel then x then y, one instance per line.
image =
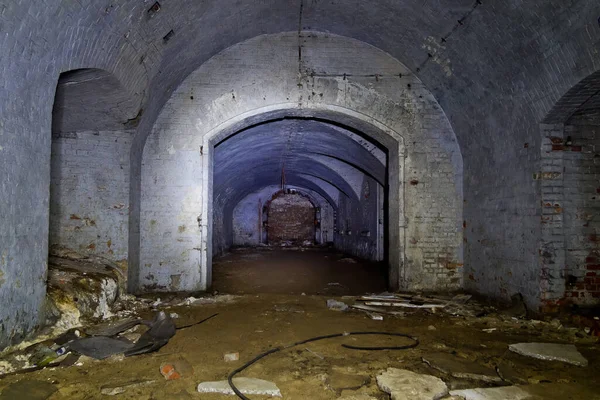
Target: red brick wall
pixel 291 217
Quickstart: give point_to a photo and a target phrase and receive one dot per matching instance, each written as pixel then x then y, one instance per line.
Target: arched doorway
pixel 407 188
pixel 570 192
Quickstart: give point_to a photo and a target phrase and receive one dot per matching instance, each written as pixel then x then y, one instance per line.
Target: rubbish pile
pixel 98 342
pixel 399 304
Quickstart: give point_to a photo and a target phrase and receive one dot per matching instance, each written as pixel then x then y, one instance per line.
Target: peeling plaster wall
pixel 225 88
pixel 89 192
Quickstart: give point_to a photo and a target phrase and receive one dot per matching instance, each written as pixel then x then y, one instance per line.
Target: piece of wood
pixel 407 305
pixel 377 310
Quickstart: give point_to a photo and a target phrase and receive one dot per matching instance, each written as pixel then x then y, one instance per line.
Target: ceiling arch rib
pixel 323 156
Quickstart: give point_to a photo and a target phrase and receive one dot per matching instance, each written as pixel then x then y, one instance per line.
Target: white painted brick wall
pixel 225 87
pixel 89 192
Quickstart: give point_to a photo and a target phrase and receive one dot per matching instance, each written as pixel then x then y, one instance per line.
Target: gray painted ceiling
pixel 306 152
pixel 91 99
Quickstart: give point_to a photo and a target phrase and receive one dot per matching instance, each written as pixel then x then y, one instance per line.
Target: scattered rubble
pixel 461 368
pixel 497 393
pixel 229 357
pixel 336 305
pixel 175 369
pixel 193 301
pixel 386 302
pixel 244 385
pixel 403 384
pixel 550 351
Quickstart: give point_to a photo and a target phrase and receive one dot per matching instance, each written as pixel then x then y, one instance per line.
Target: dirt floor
pixel 296 271
pixel 251 324
pixel 263 318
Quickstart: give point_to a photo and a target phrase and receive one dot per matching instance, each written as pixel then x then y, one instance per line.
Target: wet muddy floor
pixel 252 324
pixel 296 271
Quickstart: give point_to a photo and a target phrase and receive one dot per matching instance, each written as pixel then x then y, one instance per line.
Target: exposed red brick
pixel 558 147
pixel 575 148
pixel 291 217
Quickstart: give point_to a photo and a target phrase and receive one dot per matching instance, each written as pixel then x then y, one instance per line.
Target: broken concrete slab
pixel 461 368
pixel 498 393
pixel 403 384
pixel 244 385
pixel 551 352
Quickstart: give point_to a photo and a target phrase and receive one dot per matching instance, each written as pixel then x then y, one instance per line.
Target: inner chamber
pixel 299 207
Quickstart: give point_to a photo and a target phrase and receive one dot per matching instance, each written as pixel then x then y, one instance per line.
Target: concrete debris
pixel 336 305
pixel 348 260
pixel 461 368
pixel 403 304
pixel 115 390
pixel 551 352
pixel 193 301
pixel 244 385
pixel 375 316
pixel 489 330
pixel 431 328
pixel 175 369
pixel 229 357
pixel 498 393
pixel 357 397
pixel 378 310
pixel 456 305
pixel 403 384
pixel 81 288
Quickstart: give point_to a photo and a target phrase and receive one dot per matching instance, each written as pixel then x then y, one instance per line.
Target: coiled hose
pixel 314 339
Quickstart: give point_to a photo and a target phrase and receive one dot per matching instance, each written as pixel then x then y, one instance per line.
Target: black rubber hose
pixel 314 339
